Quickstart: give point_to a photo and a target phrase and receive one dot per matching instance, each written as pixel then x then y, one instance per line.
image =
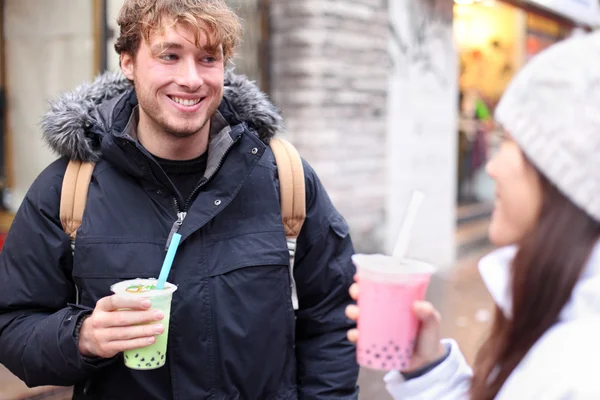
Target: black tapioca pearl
pixel 397 348
pixel 377 355
pixel 384 349
pixel 136 355
pixel 148 365
pixel 152 359
pixel 390 357
pixel 139 366
pixel 158 352
pixel 157 364
pixel 143 359
pixel 368 351
pixel 162 357
pixel 126 357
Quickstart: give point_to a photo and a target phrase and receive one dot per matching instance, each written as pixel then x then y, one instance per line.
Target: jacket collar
pixel 585 299
pixel 79 121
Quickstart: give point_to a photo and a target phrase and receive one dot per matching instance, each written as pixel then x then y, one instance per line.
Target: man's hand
pixel 119 323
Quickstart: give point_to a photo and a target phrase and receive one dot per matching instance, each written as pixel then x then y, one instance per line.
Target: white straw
pixel 407 225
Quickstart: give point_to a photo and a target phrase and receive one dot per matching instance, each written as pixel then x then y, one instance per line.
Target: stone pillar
pixel 49 48
pixel 330 78
pixel 422 132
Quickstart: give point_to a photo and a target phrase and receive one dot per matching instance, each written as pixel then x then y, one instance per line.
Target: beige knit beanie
pixel 552 110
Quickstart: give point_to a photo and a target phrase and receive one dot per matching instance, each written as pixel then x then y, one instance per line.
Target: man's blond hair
pixel 213 19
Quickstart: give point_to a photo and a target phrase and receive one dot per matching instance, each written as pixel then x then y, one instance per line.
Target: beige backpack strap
pixel 292 190
pixel 74 195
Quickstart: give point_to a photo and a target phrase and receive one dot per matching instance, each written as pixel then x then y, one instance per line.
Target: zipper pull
pixel 175 228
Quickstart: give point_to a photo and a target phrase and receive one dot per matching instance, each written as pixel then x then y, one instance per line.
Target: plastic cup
pixel 387 324
pixel 155 355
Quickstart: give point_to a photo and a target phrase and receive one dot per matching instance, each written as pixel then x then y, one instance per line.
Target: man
pixel 183 150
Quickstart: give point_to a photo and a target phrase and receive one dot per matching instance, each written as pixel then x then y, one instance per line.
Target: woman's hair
pixel 544 272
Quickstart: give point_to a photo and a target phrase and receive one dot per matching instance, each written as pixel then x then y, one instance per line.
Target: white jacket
pixel 563 364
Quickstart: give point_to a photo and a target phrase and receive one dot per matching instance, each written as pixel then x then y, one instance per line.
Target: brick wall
pixel 329 75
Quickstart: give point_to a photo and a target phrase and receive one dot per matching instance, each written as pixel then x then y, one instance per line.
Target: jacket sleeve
pixel 450 380
pixel 323 271
pixel 37 322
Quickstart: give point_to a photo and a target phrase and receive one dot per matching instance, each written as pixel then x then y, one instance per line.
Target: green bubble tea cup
pixel 155 355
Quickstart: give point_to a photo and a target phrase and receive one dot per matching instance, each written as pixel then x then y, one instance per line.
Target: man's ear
pixel 127 65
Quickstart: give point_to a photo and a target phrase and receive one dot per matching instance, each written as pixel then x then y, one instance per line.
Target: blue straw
pixel 166 267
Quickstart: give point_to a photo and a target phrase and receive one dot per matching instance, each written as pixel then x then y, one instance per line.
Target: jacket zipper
pixel 182 212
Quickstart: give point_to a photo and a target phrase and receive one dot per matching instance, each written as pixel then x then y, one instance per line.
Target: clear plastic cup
pixel 155 355
pixel 387 324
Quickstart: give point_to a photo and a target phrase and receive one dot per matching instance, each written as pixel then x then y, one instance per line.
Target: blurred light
pixel 463 2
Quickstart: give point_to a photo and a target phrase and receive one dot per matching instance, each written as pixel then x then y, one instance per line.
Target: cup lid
pixel 387 265
pixel 142 287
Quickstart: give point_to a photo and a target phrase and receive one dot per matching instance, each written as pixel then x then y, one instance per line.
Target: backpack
pixel 291 185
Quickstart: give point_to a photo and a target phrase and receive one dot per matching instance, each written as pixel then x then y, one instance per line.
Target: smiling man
pixel 180 144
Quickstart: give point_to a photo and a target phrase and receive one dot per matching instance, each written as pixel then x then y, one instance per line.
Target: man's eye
pixel 168 57
pixel 209 59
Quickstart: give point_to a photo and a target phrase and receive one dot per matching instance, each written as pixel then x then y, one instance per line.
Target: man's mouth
pixel 186 102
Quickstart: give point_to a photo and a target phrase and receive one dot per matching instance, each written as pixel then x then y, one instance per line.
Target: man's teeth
pixel 184 102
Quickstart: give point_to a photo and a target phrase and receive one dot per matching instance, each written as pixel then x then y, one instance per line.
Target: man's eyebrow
pixel 160 47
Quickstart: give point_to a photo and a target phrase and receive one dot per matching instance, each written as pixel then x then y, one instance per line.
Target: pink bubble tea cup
pixel 387 324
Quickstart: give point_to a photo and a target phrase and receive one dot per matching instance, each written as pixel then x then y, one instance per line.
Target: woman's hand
pixel 428 348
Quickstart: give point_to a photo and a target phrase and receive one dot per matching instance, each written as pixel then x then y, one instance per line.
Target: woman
pixel 544 342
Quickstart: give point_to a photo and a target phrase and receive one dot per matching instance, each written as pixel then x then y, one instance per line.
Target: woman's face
pixel 518 194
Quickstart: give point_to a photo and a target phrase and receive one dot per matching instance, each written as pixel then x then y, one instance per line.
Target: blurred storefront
pixel 494 40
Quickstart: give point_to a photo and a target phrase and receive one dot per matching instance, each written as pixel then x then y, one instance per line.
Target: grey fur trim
pixel 65 125
pixel 252 106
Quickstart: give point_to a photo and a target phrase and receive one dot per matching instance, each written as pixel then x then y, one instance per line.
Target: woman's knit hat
pixel 552 110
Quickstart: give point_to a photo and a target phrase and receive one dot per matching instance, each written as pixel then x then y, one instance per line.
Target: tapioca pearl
pixel 162 357
pixel 152 359
pixel 384 349
pixel 142 359
pixel 390 357
pixel 368 351
pixel 158 364
pixel 148 365
pixel 126 357
pixel 397 348
pixel 377 355
pixel 136 355
pixel 139 366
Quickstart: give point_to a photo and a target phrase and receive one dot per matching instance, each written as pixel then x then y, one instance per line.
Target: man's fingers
pixel 132 332
pixel 124 345
pixel 354 289
pixel 352 312
pixel 352 335
pixel 126 318
pixel 117 302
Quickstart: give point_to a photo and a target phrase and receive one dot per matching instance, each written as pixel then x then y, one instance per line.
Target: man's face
pixel 178 85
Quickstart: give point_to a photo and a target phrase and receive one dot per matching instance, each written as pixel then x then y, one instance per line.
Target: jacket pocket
pixel 249 284
pixel 100 263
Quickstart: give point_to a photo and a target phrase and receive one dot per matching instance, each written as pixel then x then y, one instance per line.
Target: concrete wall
pixel 49 48
pixel 422 126
pixel 330 78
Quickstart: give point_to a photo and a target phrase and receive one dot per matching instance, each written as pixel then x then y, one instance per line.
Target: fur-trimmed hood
pixel 66 125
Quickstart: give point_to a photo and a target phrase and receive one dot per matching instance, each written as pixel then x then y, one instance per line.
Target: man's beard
pixel 185 132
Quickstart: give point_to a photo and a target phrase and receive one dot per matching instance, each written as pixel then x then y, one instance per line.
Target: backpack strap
pixel 74 195
pixel 291 182
pixel 293 199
